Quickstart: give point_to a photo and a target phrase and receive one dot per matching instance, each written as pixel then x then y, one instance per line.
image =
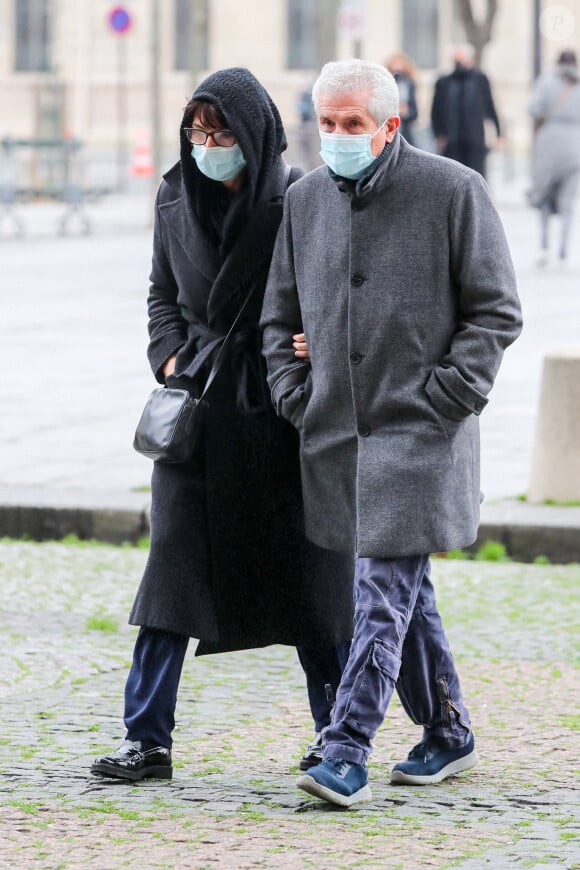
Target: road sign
pixel 119 19
pixel 352 19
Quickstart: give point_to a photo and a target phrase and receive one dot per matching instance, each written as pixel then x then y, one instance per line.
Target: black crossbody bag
pixel 172 418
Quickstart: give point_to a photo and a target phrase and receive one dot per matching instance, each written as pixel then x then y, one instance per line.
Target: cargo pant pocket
pixel 373 688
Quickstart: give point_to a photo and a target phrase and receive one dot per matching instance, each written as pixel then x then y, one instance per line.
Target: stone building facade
pixel 64 71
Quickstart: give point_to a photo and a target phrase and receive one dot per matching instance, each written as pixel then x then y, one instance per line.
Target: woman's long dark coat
pixel 229 562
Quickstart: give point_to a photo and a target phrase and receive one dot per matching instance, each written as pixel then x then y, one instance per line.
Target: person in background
pixel 400 335
pixel 555 110
pixel 403 69
pixel 307 133
pixel 462 102
pixel 229 563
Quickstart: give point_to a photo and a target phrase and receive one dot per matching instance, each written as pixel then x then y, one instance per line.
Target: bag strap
pixel 220 354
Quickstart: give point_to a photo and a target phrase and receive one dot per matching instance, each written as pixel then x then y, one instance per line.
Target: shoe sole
pixel 309 785
pixel 458 766
pixel 160 772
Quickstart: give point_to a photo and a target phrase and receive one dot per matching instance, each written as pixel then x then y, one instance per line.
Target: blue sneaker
pixel 339 782
pixel 431 762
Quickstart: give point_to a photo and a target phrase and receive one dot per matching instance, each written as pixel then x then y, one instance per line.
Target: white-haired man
pixel 390 301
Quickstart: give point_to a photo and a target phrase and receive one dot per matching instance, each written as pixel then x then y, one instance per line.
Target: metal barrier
pixel 53 173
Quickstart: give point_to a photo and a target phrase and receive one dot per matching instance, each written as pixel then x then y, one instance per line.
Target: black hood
pixel 252 116
pixel 250 113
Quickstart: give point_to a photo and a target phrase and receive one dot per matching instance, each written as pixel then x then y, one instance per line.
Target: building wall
pixel 88 60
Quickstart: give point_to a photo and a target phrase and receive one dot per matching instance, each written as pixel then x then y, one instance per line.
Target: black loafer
pixel 131 761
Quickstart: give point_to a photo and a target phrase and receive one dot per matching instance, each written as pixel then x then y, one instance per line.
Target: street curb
pixel 525 543
pixel 43 523
pixel 526 531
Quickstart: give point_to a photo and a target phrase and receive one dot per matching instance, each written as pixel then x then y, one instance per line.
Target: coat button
pixel 356 280
pixel 364 430
pixel 355 357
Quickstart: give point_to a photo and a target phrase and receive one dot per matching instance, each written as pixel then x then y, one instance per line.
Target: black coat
pixel 229 562
pixel 461 102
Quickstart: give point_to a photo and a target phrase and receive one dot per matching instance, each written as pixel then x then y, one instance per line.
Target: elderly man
pixel 394 265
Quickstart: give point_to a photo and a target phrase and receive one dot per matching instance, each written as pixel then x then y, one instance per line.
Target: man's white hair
pixel 350 76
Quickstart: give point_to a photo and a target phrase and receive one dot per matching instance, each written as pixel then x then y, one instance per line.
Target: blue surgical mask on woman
pixel 219 163
pixel 348 154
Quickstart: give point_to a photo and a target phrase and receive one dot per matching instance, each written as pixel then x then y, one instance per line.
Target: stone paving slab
pixel 242 723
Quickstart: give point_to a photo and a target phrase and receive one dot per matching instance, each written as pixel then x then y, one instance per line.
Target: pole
pixel 197 38
pixel 156 144
pixel 121 110
pixel 537 39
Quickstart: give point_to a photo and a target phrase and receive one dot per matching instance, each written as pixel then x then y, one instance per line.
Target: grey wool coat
pixel 405 289
pixel 555 105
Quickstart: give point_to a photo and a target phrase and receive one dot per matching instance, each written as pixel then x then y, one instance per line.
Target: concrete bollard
pixel 556 456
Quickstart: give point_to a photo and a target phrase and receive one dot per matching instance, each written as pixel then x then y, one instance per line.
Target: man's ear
pixel 391 127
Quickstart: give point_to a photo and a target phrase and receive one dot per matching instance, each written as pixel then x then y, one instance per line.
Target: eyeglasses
pixel 225 138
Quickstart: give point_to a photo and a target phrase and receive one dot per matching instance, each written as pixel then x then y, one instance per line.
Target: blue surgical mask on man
pixel 348 154
pixel 219 163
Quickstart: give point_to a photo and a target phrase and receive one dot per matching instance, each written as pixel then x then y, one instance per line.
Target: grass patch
pixel 102 623
pixel 83 543
pixel 553 502
pixel 489 551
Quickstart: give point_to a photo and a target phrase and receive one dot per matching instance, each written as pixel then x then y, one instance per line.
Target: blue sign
pixel 119 19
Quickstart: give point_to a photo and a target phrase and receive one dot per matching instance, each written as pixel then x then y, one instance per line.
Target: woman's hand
pixel 300 346
pixel 169 366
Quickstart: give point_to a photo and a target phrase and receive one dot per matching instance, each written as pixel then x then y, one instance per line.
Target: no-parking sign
pixel 119 19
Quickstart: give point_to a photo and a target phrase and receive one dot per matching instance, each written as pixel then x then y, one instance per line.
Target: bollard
pixel 556 456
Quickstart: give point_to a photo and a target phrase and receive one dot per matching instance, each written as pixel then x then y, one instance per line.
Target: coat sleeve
pixel 412 111
pixel 489 313
pixel 438 118
pixel 489 110
pixel 539 104
pixel 167 329
pixel 288 376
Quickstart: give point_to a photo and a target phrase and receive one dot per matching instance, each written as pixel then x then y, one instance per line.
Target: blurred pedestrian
pixel 307 130
pixel 555 109
pixel 405 332
pixel 403 69
pixel 229 563
pixel 462 102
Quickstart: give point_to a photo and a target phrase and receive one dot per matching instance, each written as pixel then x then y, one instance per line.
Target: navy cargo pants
pixel 399 643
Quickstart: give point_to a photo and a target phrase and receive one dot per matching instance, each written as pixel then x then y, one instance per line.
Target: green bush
pixel 492 551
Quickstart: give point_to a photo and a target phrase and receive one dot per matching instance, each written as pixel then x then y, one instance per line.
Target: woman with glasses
pixel 229 563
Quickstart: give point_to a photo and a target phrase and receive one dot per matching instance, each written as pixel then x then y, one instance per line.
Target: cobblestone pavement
pixel 243 722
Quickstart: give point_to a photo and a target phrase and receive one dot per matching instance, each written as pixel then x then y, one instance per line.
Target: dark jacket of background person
pixel 408 113
pixel 555 109
pixel 229 562
pixel 461 103
pixel 402 68
pixel 406 332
